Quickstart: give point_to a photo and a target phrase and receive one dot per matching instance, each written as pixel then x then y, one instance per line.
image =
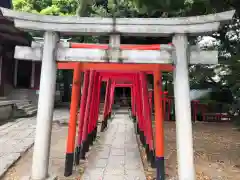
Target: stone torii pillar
pixel 186 169
pixel 45 108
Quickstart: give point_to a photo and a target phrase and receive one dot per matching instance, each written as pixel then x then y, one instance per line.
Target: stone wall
pixel 6 110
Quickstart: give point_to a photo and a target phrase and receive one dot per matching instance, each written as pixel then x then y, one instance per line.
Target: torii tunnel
pixel 116 75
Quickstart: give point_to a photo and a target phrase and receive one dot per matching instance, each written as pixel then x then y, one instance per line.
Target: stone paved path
pixel 18 136
pixel 116 155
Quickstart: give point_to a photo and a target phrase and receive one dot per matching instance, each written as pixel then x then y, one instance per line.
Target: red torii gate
pixel 142 102
pixel 90 104
pixel 144 126
pixel 115 76
pixel 83 140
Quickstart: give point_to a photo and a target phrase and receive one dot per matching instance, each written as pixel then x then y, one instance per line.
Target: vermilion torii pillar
pixel 106 105
pixel 76 87
pixel 144 119
pixel 89 124
pixel 87 112
pixel 112 93
pixel 92 117
pixel 81 115
pixel 159 138
pixel 148 117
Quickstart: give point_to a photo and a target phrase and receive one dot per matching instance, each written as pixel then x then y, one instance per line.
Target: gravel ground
pixel 216 145
pixel 217 151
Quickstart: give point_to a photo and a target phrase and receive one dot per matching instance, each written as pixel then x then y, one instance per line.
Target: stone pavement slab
pixel 18 136
pixel 116 155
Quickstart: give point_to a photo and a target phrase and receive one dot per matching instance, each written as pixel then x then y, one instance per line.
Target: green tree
pixel 47 7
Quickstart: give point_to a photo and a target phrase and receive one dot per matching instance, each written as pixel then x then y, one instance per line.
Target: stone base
pixel 50 177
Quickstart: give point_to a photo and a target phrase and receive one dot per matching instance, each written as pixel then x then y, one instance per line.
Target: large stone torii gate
pixel 51 51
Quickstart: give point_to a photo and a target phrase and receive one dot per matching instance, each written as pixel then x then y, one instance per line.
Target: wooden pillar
pixel 111 98
pixel 81 116
pixel 33 75
pixel 133 102
pixel 96 116
pixel 85 140
pixel 159 133
pixel 148 118
pixel 76 87
pixel 144 112
pixel 15 72
pixel 92 111
pixel 106 105
pixel 141 127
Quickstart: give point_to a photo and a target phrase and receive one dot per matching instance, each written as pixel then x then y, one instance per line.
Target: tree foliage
pixel 47 7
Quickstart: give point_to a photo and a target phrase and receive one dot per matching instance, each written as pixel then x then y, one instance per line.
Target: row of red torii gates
pixel 132 76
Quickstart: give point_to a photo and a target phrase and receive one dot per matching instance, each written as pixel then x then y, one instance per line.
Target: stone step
pixel 3 98
pixel 26 107
pixel 30 108
pixel 22 103
pixel 32 112
pixel 24 94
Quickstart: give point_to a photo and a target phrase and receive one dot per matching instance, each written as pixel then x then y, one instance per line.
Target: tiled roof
pixel 8 32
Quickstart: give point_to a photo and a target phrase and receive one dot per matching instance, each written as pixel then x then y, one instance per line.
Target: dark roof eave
pixel 12 30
